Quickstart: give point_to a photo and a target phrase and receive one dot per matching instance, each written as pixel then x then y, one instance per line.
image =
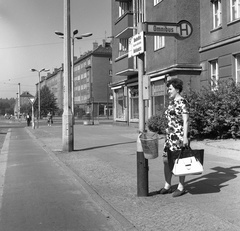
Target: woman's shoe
pixel 178 193
pixel 165 191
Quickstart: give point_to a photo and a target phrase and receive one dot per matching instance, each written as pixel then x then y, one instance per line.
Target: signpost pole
pixel 180 30
pixel 33 119
pixel 142 163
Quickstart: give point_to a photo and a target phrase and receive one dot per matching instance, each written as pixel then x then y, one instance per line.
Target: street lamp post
pixel 39 107
pixel 73 37
pixel 74 33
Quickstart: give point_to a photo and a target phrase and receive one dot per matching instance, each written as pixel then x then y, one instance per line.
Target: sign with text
pixel 182 29
pixel 136 45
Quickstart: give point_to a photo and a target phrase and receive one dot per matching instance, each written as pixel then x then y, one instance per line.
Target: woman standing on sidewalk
pixel 177 115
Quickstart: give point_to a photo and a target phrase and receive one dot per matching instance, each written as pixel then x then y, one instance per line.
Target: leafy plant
pixel 215 114
pixel 157 123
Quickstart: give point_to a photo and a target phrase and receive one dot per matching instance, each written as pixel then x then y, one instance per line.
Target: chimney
pixel 104 43
pixel 95 45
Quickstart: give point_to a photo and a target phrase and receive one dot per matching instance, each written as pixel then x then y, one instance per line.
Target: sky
pixel 27 38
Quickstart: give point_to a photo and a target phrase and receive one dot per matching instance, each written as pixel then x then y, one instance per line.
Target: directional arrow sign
pixel 180 30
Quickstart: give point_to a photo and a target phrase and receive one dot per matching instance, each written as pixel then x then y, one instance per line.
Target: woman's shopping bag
pixel 187 166
pixel 183 153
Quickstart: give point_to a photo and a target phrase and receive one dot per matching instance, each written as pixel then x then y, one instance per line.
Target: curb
pixel 3 163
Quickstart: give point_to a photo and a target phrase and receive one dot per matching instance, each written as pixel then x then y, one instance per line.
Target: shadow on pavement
pixel 103 146
pixel 212 182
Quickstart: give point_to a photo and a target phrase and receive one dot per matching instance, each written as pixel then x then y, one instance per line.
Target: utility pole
pixel 142 163
pixel 67 120
pixel 19 105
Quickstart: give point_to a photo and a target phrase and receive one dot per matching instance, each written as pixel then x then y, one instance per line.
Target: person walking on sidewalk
pixel 49 119
pixel 177 115
pixel 28 118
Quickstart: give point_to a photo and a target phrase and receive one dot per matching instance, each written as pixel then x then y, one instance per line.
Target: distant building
pixel 92 78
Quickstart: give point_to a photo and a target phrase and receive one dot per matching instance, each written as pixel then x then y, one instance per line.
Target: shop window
pixel 214 74
pixel 119 104
pixel 158 96
pixel 235 9
pixel 134 112
pixel 217 13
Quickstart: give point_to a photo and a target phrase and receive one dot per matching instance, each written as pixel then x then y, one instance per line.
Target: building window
pixel 119 104
pixel 235 9
pixel 217 13
pixel 139 11
pixel 123 8
pixel 158 94
pixel 123 47
pixel 134 112
pixel 214 74
pixel 155 2
pixel 159 42
pixel 237 68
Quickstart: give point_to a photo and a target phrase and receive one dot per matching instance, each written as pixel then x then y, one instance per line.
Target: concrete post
pixel 67 120
pixel 142 163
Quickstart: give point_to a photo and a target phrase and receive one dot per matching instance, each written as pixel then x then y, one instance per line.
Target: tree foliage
pixel 7 106
pixel 48 102
pixel 215 114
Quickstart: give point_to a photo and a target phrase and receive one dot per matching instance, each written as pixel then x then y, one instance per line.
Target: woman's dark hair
pixel 176 83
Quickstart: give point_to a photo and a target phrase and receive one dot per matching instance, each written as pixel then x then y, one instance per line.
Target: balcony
pixel 124 66
pixel 124 26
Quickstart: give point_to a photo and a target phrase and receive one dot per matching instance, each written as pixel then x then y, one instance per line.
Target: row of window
pixel 215 71
pixel 234 9
pixel 82 65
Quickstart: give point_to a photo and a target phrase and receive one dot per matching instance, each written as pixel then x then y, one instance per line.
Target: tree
pixel 26 108
pixel 7 106
pixel 48 102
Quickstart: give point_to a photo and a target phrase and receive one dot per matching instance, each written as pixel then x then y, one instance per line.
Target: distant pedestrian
pixel 177 115
pixel 49 119
pixel 28 118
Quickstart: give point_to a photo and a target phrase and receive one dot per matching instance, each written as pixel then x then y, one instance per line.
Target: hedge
pixel 213 114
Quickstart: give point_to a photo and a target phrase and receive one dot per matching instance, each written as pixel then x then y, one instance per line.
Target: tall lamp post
pixel 39 75
pixel 74 33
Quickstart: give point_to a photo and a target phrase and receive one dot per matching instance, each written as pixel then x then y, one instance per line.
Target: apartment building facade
pixel 220 41
pixel 211 52
pixel 92 78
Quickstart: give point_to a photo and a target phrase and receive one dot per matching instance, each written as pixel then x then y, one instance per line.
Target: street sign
pixel 136 45
pixel 180 30
pixel 32 100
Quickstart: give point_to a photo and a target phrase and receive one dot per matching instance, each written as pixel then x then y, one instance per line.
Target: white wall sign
pixel 136 45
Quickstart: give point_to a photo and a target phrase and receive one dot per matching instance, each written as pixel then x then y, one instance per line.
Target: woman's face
pixel 172 92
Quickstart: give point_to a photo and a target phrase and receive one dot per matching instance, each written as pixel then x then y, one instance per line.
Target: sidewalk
pixel 105 159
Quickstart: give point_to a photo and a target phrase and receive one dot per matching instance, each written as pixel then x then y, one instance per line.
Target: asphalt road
pixel 39 194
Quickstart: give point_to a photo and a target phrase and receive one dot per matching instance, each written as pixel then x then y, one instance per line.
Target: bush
pixel 157 123
pixel 215 114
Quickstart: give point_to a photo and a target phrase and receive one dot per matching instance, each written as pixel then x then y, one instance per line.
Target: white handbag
pixel 187 166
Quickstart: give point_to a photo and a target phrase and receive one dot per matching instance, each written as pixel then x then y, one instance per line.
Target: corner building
pixel 210 54
pixel 165 56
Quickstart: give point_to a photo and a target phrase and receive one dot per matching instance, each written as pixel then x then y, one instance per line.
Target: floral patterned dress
pixel 174 132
